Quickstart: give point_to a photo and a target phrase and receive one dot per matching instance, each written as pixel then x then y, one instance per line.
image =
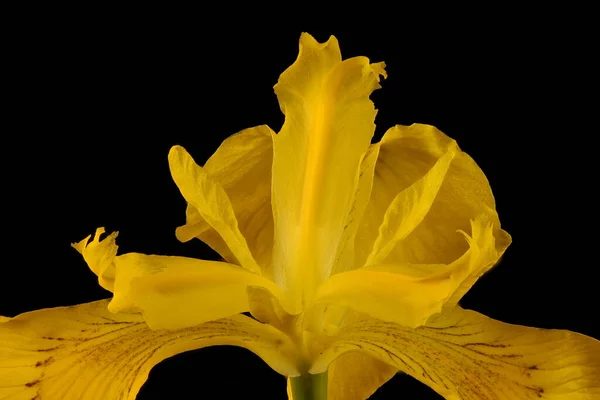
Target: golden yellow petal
pixel 211 201
pixel 329 122
pixel 174 292
pixel 356 376
pixel 242 167
pixel 406 294
pixel 464 355
pixel 409 208
pixel 407 154
pixel 345 259
pixel 99 256
pixel 266 307
pixel 85 352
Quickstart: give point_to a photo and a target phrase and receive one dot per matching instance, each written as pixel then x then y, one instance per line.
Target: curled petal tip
pixel 379 69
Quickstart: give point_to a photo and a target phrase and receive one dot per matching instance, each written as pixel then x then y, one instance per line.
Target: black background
pixel 96 101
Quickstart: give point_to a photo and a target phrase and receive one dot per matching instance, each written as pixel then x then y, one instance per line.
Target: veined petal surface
pixel 85 352
pixel 464 355
pixel 329 122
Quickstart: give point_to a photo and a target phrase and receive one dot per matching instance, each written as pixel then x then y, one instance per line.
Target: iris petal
pixel 85 352
pixel 464 355
pixel 326 105
pixel 242 167
pixel 172 292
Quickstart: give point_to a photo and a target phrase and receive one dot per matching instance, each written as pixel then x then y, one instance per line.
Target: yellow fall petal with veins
pixel 85 352
pixel 465 355
pixel 351 258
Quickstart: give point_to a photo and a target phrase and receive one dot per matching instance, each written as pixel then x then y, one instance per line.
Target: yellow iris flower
pixel 351 258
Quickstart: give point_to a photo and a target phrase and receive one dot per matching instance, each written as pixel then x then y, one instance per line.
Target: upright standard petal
pixel 409 208
pixel 329 122
pixel 173 292
pixel 346 254
pixel 242 167
pixel 212 203
pixel 85 352
pixel 407 155
pixel 465 355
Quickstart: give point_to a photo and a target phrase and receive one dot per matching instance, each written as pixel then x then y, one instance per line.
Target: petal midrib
pixel 317 143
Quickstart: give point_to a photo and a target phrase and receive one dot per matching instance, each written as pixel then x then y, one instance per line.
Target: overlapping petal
pixel 85 352
pixel 326 105
pixel 351 258
pixel 408 294
pixel 242 167
pixel 212 203
pixel 346 253
pixel 408 154
pixel 356 376
pixel 172 292
pixel 464 355
pixel 408 209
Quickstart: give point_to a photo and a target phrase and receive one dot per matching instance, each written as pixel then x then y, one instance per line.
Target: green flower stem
pixel 309 387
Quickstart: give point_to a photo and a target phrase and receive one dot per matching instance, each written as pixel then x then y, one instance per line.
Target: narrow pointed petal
pixel 345 259
pixel 173 292
pixel 407 294
pixel 329 122
pixel 409 208
pixel 464 355
pixel 407 154
pixel 242 167
pixel 85 352
pixel 212 203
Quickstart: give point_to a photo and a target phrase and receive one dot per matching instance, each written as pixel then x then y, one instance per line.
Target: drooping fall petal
pixel 242 167
pixel 326 105
pixel 464 355
pixel 407 154
pixel 85 352
pixel 172 292
pixel 212 203
pixel 407 294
